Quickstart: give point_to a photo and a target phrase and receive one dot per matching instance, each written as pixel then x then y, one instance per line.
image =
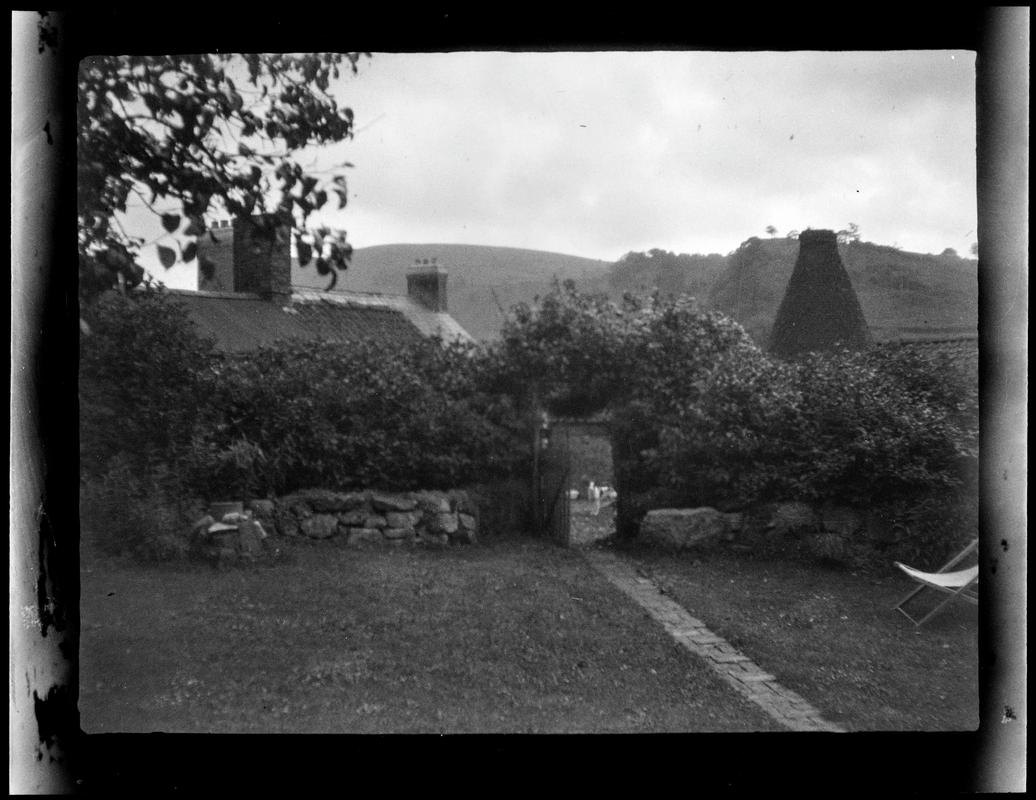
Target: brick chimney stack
pixel 262 257
pixel 426 283
pixel 251 255
pixel 216 251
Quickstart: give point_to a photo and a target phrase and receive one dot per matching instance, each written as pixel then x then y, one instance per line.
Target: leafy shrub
pixel 584 353
pixel 934 377
pixel 163 417
pixel 641 360
pixel 366 414
pixel 124 512
pixel 139 387
pixel 829 427
pixel 931 528
pixel 139 379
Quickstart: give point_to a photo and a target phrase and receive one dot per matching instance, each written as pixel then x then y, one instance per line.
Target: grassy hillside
pixel 476 274
pixel 901 293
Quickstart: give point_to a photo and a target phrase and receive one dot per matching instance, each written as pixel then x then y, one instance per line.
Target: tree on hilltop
pixel 849 235
pixel 181 136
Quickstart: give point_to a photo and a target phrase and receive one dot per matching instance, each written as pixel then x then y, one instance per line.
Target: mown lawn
pixel 832 636
pixel 506 636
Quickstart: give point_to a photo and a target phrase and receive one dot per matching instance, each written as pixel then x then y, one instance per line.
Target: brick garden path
pixel 732 666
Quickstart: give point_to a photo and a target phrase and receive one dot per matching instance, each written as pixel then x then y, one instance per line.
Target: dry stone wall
pixel 372 518
pixel 827 530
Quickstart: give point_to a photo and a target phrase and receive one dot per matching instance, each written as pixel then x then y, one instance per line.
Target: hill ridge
pixel 898 290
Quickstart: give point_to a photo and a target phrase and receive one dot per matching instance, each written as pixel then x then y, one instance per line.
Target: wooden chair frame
pixel 967 591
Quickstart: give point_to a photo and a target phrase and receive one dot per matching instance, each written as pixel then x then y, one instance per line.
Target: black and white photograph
pixel 478 395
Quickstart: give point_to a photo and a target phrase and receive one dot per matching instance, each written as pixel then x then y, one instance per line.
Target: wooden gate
pixel 552 468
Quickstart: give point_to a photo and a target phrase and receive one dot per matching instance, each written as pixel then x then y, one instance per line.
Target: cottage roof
pixel 240 321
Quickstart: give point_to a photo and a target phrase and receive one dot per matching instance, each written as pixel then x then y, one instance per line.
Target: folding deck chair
pixel 962 583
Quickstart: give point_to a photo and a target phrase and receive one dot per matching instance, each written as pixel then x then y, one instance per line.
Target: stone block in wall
pixel 680 528
pixel 353 519
pixel 787 517
pixel 286 525
pixel 375 521
pixel 399 534
pixel 461 501
pixel 443 522
pixel 433 502
pixel 466 530
pixel 392 502
pixel 225 556
pixel 323 501
pixel 263 510
pixel 225 539
pixel 433 539
pixel 402 519
pixel 288 512
pixel 250 540
pixel 319 526
pixel 361 536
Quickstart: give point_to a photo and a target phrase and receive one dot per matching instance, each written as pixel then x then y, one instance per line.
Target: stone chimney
pixel 426 283
pixel 216 257
pixel 252 256
pixel 820 310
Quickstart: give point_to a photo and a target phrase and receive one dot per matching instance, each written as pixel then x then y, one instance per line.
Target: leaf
pixel 322 267
pixel 170 222
pixel 305 252
pixel 244 150
pixel 189 252
pixel 166 256
pixel 195 227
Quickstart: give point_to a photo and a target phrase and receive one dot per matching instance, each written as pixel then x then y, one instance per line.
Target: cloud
pixel 596 154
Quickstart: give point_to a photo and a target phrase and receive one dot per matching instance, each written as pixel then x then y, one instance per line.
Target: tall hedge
pixel 141 369
pixel 364 414
pixel 165 420
pixel 701 416
pixel 857 428
pixel 141 384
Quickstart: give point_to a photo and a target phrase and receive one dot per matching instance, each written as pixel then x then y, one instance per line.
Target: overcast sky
pixel 599 153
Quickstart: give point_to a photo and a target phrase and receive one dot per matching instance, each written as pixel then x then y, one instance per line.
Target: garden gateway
pixel 676 407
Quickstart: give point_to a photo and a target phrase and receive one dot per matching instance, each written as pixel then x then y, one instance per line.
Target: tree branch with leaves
pixel 187 134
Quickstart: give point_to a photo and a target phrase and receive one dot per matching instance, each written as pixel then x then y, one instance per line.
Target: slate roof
pixel 962 351
pixel 240 322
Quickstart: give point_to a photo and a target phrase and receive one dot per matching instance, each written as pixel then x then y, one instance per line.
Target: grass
pixel 504 637
pixel 831 636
